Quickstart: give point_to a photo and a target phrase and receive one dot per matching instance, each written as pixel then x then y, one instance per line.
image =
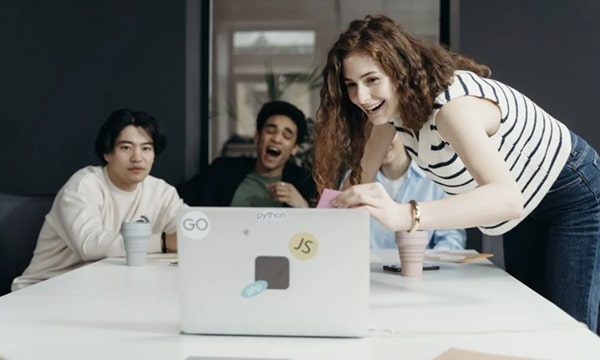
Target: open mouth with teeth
pixel 274 152
pixel 374 107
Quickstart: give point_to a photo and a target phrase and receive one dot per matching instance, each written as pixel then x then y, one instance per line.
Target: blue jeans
pixel 556 249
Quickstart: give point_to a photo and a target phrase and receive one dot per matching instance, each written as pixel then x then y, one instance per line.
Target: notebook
pixel 274 271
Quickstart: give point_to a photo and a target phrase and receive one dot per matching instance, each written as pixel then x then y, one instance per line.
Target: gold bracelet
pixel 416 215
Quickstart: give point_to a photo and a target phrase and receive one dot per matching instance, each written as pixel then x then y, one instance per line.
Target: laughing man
pixel 269 180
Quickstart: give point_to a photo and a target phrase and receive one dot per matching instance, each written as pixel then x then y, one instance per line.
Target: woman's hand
pixel 375 199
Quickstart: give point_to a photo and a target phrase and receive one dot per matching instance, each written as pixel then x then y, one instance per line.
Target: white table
pixel 107 310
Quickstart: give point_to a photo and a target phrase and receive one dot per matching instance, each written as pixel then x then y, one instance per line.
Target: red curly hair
pixel 420 70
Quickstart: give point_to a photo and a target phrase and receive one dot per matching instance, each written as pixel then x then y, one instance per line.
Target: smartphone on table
pixel 397 268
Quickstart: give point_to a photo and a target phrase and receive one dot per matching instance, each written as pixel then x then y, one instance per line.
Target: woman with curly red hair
pixel 511 167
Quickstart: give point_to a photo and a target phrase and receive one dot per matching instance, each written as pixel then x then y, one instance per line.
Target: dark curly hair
pixel 278 107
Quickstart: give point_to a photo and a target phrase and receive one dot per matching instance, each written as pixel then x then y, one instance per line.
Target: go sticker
pixel 254 288
pixel 304 246
pixel 194 224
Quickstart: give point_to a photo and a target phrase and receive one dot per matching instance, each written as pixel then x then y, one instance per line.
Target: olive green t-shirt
pixel 253 192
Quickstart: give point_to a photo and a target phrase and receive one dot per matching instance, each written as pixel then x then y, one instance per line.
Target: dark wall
pixel 546 49
pixel 65 65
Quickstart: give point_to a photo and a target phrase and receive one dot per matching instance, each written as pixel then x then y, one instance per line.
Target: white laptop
pixel 274 271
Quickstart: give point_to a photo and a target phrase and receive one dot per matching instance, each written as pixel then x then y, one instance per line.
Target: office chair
pixel 21 218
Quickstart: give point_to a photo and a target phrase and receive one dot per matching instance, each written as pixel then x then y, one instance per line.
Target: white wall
pixel 327 17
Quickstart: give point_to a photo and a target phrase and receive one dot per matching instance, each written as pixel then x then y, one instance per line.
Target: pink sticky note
pixel 326 197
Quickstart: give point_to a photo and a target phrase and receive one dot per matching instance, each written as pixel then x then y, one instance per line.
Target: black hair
pixel 278 107
pixel 117 121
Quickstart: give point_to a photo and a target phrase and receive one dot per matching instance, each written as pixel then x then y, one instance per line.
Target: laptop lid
pixel 274 271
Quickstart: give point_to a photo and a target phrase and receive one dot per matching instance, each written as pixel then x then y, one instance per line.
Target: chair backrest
pixel 21 218
pixel 487 244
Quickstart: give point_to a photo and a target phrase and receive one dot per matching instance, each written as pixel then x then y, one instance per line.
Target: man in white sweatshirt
pixel 84 221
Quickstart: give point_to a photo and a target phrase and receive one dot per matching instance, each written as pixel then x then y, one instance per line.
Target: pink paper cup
pixel 411 249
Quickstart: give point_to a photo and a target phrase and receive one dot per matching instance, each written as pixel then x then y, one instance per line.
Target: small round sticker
pixel 303 246
pixel 194 224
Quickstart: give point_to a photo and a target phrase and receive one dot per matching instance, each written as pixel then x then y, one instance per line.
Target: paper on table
pixel 326 197
pixel 456 256
pixel 460 354
pixel 162 257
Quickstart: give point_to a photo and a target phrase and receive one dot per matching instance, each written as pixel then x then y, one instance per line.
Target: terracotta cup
pixel 411 248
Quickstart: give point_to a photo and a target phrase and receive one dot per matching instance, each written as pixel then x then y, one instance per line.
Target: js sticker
pixel 304 246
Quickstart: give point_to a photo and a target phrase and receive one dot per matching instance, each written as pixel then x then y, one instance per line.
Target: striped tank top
pixel 534 145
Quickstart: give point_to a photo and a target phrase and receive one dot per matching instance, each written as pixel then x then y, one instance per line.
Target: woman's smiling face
pixel 370 88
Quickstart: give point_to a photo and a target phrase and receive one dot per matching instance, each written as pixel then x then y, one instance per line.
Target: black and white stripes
pixel 534 145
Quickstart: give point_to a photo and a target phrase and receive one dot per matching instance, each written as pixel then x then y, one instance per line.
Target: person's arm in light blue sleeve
pixel 448 239
pixel 381 238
